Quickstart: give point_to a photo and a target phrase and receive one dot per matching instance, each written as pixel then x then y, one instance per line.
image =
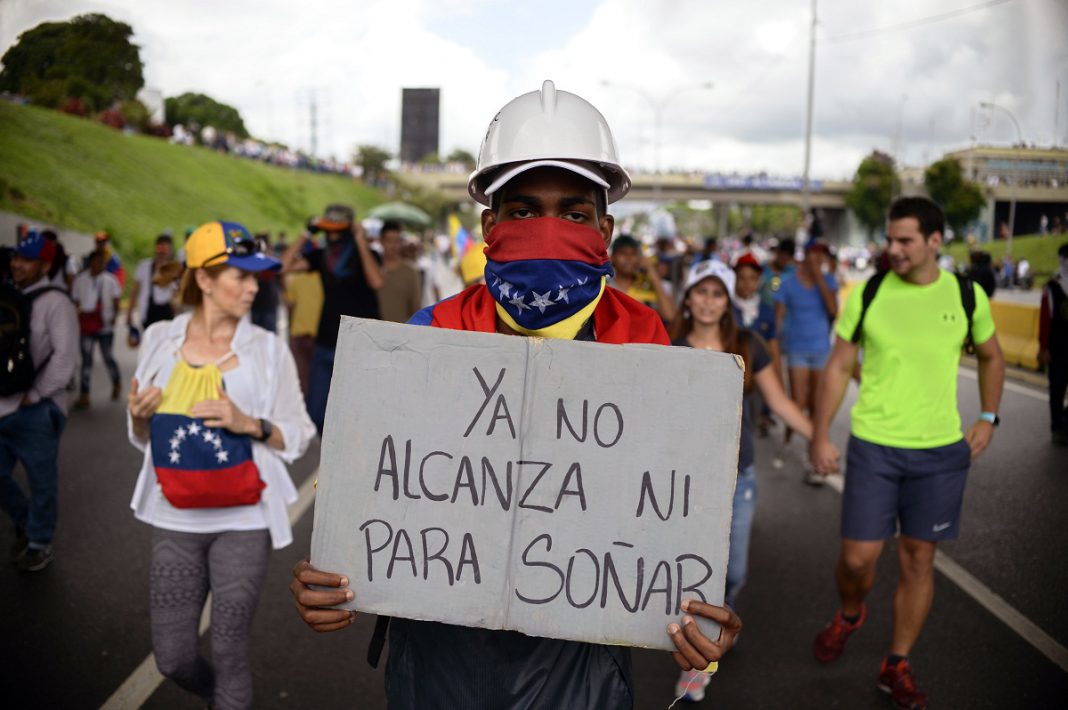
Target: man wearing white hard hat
pixel 547 171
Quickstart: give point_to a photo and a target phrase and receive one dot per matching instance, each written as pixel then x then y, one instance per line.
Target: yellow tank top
pixel 188 385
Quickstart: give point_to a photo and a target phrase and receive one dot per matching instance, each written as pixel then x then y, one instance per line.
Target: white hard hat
pixel 548 128
pixel 711 267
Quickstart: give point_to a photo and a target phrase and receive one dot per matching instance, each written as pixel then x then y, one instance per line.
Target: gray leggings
pixel 184 567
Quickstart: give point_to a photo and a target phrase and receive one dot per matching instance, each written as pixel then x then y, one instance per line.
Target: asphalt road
pixel 76 632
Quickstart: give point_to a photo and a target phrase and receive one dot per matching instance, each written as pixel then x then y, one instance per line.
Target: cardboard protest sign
pixel 565 489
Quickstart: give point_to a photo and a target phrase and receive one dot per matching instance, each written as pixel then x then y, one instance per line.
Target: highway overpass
pixel 665 188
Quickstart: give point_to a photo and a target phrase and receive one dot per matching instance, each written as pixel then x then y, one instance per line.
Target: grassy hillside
pixel 1040 251
pixel 83 176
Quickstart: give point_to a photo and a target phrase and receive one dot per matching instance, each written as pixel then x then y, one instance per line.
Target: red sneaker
pixel 830 642
pixel 897 680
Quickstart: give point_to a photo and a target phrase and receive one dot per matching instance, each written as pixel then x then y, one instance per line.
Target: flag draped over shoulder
pixel 546 277
pixel 617 319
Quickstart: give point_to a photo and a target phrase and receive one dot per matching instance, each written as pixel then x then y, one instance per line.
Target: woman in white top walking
pixel 216 407
pixel 96 293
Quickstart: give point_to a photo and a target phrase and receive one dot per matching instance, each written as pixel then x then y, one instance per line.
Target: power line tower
pixel 314 124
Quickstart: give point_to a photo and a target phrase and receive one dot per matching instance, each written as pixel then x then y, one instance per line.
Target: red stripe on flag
pixel 214 488
pixel 545 238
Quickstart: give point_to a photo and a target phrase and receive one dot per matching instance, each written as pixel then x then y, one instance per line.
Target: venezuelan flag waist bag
pixel 199 466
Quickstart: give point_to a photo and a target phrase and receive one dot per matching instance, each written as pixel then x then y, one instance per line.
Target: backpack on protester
pixel 967 299
pixel 17 373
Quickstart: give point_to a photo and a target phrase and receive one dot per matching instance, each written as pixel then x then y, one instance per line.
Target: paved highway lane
pixel 1014 539
pixel 75 633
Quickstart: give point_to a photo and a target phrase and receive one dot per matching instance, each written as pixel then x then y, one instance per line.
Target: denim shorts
pixel 920 490
pixel 807 359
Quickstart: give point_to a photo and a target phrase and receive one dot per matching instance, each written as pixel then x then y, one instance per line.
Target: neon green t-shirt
pixel 912 339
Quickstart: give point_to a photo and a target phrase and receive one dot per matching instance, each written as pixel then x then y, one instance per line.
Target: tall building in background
pixel 419 123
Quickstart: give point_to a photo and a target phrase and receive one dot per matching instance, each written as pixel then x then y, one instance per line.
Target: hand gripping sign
pixel 565 489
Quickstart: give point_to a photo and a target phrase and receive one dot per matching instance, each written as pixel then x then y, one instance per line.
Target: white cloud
pixel 267 57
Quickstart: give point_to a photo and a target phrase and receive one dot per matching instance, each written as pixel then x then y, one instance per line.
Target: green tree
pixel 203 110
pixel 775 219
pixel 89 57
pixel 688 221
pixel 433 202
pixel 459 155
pixel 962 200
pixel 135 114
pixel 372 160
pixel 874 187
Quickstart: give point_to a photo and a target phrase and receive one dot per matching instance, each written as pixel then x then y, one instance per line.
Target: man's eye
pixel 576 216
pixel 522 213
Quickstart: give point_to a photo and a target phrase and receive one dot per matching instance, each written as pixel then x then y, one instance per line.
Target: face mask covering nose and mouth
pixel 546 274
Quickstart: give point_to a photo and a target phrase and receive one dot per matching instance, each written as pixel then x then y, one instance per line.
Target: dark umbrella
pixel 401 212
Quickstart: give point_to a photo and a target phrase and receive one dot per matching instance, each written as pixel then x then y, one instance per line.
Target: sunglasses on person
pixel 240 247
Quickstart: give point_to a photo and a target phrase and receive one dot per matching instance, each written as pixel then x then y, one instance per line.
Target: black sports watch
pixel 990 417
pixel 267 430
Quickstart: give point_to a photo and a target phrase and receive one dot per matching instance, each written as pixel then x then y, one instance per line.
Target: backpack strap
pixel 32 295
pixel 378 640
pixel 871 286
pixel 1056 289
pixel 967 299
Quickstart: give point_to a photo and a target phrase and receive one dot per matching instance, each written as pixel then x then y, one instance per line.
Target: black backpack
pixel 967 299
pixel 17 373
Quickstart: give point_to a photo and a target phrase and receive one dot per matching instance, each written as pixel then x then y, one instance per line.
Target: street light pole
pixel 657 105
pixel 806 186
pixel 1019 142
pixel 898 129
pixel 658 135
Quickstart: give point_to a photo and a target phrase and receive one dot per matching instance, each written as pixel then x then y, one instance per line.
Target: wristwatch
pixel 990 417
pixel 267 429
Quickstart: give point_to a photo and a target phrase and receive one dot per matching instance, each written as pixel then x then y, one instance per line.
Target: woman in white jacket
pixel 216 407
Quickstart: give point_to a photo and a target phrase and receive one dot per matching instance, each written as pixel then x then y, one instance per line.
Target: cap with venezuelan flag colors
pixel 217 243
pixel 34 245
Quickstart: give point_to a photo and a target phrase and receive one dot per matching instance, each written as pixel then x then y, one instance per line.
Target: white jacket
pixel 279 401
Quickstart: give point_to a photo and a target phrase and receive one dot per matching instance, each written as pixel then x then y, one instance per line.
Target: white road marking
pixel 1031 392
pixel 991 601
pixel 140 685
pixel 1001 609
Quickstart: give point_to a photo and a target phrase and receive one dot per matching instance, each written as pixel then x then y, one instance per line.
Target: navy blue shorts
pixel 919 489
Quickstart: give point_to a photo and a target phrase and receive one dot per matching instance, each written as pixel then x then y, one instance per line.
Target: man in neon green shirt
pixel 908 460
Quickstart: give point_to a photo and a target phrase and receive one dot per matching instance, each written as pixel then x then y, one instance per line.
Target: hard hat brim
pixel 507 174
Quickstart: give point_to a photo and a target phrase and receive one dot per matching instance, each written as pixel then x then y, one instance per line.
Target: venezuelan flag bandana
pixel 546 274
pixel 199 466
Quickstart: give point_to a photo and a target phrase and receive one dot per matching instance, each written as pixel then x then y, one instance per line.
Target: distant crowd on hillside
pixel 254 149
pixel 207 136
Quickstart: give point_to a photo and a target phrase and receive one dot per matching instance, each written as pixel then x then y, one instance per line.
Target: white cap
pixel 548 127
pixel 711 267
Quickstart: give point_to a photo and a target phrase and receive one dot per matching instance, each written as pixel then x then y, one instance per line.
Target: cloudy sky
pixel 888 75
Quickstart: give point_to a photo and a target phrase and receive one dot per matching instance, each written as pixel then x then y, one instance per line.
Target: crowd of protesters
pixel 772 303
pixel 215 390
pixel 236 336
